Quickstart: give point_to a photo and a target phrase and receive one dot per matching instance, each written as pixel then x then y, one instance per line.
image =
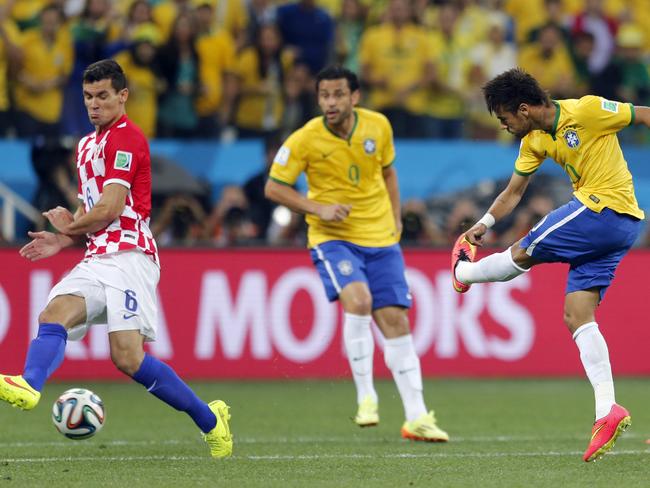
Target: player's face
pixel 517 123
pixel 104 104
pixel 336 100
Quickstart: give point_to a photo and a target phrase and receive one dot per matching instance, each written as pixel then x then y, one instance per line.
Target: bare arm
pixel 642 116
pixel 502 206
pixel 390 177
pixel 109 207
pixel 287 196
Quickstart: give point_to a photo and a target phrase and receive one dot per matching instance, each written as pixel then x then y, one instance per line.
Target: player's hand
pixel 475 234
pixel 59 217
pixel 44 245
pixel 334 213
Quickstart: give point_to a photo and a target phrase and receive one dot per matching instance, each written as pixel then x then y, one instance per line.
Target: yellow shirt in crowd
pixel 345 171
pixel 253 108
pixel 12 32
pixel 142 104
pixel 400 57
pixel 217 55
pixel 583 141
pixel 44 62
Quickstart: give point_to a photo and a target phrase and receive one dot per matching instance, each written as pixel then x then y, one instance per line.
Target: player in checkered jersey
pixel 116 281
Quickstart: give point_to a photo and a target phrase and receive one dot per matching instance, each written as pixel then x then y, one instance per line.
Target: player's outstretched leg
pixel 161 381
pixel 44 355
pixel 404 364
pixel 605 432
pixel 463 251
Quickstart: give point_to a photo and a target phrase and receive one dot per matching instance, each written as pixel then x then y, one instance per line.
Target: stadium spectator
pixel 92 33
pixel 179 66
pixel 166 13
pixel 594 20
pixel 231 16
pixel 397 65
pixel 418 228
pixel 10 58
pixel 488 59
pixel 138 63
pixel 548 61
pixel 555 15
pixel 451 51
pixel 309 30
pixel 46 64
pixel 179 221
pixel 215 48
pixel 120 288
pixel 349 29
pixel 139 14
pixel 262 70
pixel 298 107
pixel 604 83
pixel 260 12
pixel 229 221
pixel 355 245
pixel 592 233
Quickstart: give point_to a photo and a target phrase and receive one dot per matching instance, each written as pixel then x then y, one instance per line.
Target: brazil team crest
pixel 572 139
pixel 345 267
pixel 369 145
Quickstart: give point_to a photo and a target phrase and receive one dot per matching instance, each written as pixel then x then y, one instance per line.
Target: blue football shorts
pixel 592 243
pixel 381 268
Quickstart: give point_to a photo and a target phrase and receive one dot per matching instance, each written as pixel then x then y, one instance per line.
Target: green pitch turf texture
pixel 504 433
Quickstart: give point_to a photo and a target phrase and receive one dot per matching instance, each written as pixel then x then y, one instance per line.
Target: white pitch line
pixel 313 457
pixel 352 439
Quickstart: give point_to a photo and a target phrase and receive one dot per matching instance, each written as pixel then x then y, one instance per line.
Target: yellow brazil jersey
pixel 142 104
pixel 13 34
pixel 400 56
pixel 217 55
pixel 346 172
pixel 44 62
pixel 583 141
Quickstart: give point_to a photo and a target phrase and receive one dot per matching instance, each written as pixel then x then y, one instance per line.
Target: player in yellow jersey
pixel 353 214
pixel 591 233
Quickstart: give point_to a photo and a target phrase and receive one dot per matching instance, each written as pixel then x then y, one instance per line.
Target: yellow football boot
pixel 219 439
pixel 17 392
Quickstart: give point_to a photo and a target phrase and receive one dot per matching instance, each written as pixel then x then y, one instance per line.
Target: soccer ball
pixel 78 414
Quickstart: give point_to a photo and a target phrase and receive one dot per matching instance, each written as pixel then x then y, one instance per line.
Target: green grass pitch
pixel 504 433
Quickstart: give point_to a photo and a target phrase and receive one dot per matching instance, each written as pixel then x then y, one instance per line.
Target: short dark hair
pixel 106 69
pixel 337 72
pixel 512 88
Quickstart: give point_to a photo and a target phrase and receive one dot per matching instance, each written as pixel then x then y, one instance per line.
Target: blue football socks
pixel 45 354
pixel 162 382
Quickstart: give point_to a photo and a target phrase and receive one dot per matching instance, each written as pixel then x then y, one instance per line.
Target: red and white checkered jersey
pixel 118 154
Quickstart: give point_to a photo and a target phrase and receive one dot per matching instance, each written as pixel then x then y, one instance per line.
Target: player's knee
pixel 126 361
pixel 359 304
pixel 572 320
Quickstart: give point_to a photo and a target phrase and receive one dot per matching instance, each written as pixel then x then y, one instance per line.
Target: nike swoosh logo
pixel 402 371
pixel 128 316
pixel 600 427
pixel 359 358
pixel 13 383
pixel 326 155
pixel 153 385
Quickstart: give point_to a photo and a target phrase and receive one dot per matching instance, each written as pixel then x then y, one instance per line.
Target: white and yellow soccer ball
pixel 78 414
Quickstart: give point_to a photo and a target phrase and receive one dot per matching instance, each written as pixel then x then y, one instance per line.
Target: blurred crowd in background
pixel 236 69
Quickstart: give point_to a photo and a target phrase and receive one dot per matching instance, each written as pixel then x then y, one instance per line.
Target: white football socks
pixel 495 267
pixel 360 348
pixel 403 362
pixel 595 359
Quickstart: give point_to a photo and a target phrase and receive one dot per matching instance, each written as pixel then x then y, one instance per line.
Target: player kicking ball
pixel 116 281
pixel 353 213
pixel 591 233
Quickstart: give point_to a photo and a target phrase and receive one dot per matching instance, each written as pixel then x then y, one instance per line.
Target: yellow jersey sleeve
pixel 290 160
pixel 604 116
pixel 529 159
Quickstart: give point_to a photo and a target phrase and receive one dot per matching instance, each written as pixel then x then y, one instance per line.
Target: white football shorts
pixel 119 290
